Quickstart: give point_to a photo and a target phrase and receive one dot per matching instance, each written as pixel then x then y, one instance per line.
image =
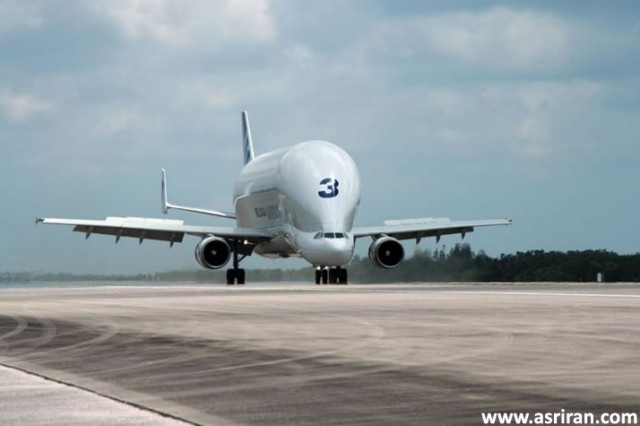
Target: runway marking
pixel 532 293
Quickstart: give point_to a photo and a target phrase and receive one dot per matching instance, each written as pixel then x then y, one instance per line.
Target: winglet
pixel 165 203
pixel 247 143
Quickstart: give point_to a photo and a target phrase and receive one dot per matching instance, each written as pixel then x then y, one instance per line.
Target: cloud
pixel 301 56
pixel 19 108
pixel 18 15
pixel 501 37
pixel 497 40
pixel 534 138
pixel 191 23
pixel 121 119
pixel 540 119
pixel 234 95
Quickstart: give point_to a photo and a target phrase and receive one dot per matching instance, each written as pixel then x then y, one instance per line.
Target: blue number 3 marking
pixel 330 188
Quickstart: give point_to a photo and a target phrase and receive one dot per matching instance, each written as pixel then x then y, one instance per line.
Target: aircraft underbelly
pixel 276 248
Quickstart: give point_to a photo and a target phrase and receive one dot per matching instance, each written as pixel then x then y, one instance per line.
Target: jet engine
pixel 386 252
pixel 213 252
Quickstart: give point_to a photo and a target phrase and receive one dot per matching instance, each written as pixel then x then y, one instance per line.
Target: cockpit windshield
pixel 330 235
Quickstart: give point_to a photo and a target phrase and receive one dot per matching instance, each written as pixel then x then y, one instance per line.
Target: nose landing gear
pixel 327 275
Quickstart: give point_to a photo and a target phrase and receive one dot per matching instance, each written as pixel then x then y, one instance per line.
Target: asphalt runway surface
pixel 306 354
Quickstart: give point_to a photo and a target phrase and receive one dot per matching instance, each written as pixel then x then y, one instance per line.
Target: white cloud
pixel 301 56
pixel 536 117
pixel 503 37
pixel 21 107
pixel 198 22
pixel 457 139
pixel 530 122
pixel 499 39
pixel 17 15
pixel 534 138
pixel 118 120
pixel 229 96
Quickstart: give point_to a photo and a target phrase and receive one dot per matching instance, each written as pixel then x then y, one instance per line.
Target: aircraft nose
pixel 340 254
pixel 330 252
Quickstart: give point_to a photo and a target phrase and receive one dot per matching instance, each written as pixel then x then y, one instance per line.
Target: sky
pixel 460 109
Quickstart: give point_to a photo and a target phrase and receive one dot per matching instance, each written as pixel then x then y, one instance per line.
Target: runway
pixel 306 354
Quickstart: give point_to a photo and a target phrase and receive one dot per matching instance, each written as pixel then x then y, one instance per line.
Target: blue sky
pixel 464 109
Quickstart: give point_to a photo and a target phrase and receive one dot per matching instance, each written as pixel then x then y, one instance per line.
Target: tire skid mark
pixel 25 347
pixel 21 325
pixel 203 352
pixel 90 352
pixel 109 330
pixel 303 356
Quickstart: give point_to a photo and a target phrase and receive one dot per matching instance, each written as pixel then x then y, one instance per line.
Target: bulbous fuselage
pixel 309 194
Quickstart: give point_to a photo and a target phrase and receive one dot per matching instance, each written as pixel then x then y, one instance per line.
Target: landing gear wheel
pixel 231 276
pixel 235 276
pixel 341 275
pixel 240 276
pixel 331 276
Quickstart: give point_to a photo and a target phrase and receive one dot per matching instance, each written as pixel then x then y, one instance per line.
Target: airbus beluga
pixel 299 201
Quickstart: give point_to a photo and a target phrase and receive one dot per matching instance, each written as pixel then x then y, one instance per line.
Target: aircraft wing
pixel 426 227
pixel 172 231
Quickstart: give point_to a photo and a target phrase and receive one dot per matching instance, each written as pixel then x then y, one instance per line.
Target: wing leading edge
pixel 172 231
pixel 426 227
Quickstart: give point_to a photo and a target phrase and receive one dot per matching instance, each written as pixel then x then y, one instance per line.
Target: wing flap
pixel 141 234
pixel 156 229
pixel 427 227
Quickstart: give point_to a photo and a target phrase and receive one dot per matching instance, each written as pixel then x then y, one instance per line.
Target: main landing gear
pixel 236 275
pixel 326 275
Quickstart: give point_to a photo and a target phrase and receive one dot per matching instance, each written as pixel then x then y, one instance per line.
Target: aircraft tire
pixel 231 276
pixel 333 276
pixel 342 276
pixel 240 275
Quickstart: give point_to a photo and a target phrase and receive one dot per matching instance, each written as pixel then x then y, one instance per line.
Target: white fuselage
pixel 306 196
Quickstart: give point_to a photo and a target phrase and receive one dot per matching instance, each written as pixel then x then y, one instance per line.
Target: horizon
pixel 280 267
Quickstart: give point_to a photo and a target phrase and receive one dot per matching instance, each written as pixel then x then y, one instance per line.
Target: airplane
pixel 299 201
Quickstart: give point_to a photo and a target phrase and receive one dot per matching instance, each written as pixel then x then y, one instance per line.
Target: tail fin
pixel 247 143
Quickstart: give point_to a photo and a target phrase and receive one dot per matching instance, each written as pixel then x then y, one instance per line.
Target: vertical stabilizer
pixel 247 143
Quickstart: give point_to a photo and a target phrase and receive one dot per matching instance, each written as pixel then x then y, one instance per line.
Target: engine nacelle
pixel 213 252
pixel 386 252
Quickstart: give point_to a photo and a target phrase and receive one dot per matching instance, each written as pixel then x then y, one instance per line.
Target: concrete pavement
pixel 301 354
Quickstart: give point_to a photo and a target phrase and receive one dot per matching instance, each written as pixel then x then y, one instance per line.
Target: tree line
pixel 462 264
pixel 459 264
